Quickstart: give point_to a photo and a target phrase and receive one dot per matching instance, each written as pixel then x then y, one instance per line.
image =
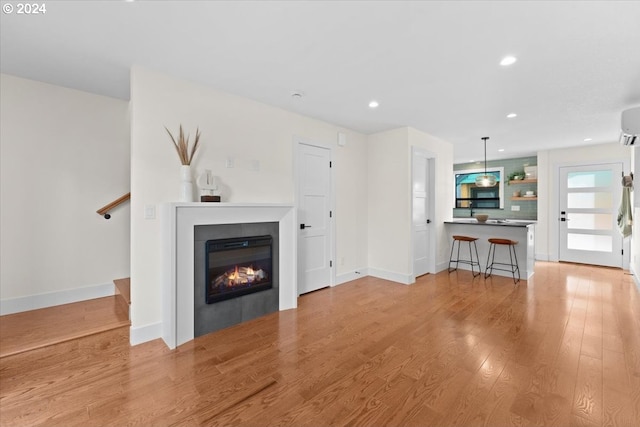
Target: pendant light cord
pixel 484 138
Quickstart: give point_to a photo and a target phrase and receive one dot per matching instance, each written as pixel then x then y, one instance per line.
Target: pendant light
pixel 486 180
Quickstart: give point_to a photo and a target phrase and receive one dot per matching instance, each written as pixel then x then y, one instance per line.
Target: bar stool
pixel 513 268
pixel 469 261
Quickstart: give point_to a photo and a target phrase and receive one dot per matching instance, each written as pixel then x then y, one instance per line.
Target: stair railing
pixel 104 211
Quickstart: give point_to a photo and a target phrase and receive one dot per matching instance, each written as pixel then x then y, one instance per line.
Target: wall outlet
pixel 515 208
pixel 230 163
pixel 255 165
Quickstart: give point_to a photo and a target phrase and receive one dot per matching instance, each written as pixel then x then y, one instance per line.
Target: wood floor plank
pixel 497 409
pixel 477 390
pixel 587 398
pixel 618 408
pixel 543 402
pixel 560 349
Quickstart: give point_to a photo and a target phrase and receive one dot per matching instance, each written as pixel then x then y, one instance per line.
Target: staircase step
pixel 30 330
pixel 123 292
pixel 123 287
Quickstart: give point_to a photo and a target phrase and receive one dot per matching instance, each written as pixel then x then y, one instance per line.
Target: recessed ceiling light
pixel 508 60
pixel 500 150
pixel 511 115
pixel 373 104
pixel 587 139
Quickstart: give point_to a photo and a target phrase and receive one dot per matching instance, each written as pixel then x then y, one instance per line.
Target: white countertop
pixel 499 222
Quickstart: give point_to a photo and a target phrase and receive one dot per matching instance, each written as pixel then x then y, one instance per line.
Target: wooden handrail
pixel 105 209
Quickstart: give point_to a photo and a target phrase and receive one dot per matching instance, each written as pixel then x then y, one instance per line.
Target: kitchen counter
pixel 522 231
pixel 500 222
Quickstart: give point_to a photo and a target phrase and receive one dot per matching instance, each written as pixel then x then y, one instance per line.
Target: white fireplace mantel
pixel 178 221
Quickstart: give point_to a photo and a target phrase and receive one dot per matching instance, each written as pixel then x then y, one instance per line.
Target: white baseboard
pixel 405 279
pixel 542 257
pixel 351 275
pixel 441 266
pixel 145 333
pixel 50 299
pixel 636 280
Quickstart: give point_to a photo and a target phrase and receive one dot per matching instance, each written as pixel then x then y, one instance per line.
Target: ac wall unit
pixel 630 126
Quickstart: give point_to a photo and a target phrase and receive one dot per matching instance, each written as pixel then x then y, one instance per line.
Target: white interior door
pixel 420 212
pixel 589 200
pixel 314 217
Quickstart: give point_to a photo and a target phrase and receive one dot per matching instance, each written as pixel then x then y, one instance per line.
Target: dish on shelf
pixel 529 195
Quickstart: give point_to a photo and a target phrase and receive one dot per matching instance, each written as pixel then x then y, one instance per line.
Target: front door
pixel 314 217
pixel 589 200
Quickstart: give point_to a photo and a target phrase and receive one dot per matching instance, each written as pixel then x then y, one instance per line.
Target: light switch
pixel 149 211
pixel 342 139
pixel 231 163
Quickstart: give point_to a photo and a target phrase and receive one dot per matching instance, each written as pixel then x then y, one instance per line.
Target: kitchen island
pixel 520 230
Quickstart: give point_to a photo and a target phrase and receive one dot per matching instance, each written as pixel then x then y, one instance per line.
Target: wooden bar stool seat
pixel 470 261
pixel 513 268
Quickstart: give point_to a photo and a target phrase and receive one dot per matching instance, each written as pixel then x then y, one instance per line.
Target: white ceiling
pixel 431 65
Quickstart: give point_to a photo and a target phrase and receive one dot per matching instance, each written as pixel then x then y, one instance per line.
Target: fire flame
pixel 234 278
pixel 243 275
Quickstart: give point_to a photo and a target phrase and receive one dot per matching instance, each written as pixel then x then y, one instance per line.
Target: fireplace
pixel 186 229
pixel 237 266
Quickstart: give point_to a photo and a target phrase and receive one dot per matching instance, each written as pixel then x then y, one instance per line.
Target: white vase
pixel 186 184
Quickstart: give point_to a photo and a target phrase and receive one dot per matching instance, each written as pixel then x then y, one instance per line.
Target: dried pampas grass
pixel 182 146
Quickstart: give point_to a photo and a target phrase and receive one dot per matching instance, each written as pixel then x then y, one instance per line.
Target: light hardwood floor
pixel 30 330
pixel 562 349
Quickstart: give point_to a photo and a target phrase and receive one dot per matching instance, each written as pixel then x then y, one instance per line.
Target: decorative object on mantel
pixel 486 180
pixel 208 187
pixel 186 156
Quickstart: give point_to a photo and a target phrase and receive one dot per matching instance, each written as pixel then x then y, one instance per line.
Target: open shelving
pixel 524 181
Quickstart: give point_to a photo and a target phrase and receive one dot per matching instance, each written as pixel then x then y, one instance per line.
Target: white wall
pixel 64 154
pixel 389 201
pixel 351 175
pixel 235 127
pixel 635 237
pixel 549 162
